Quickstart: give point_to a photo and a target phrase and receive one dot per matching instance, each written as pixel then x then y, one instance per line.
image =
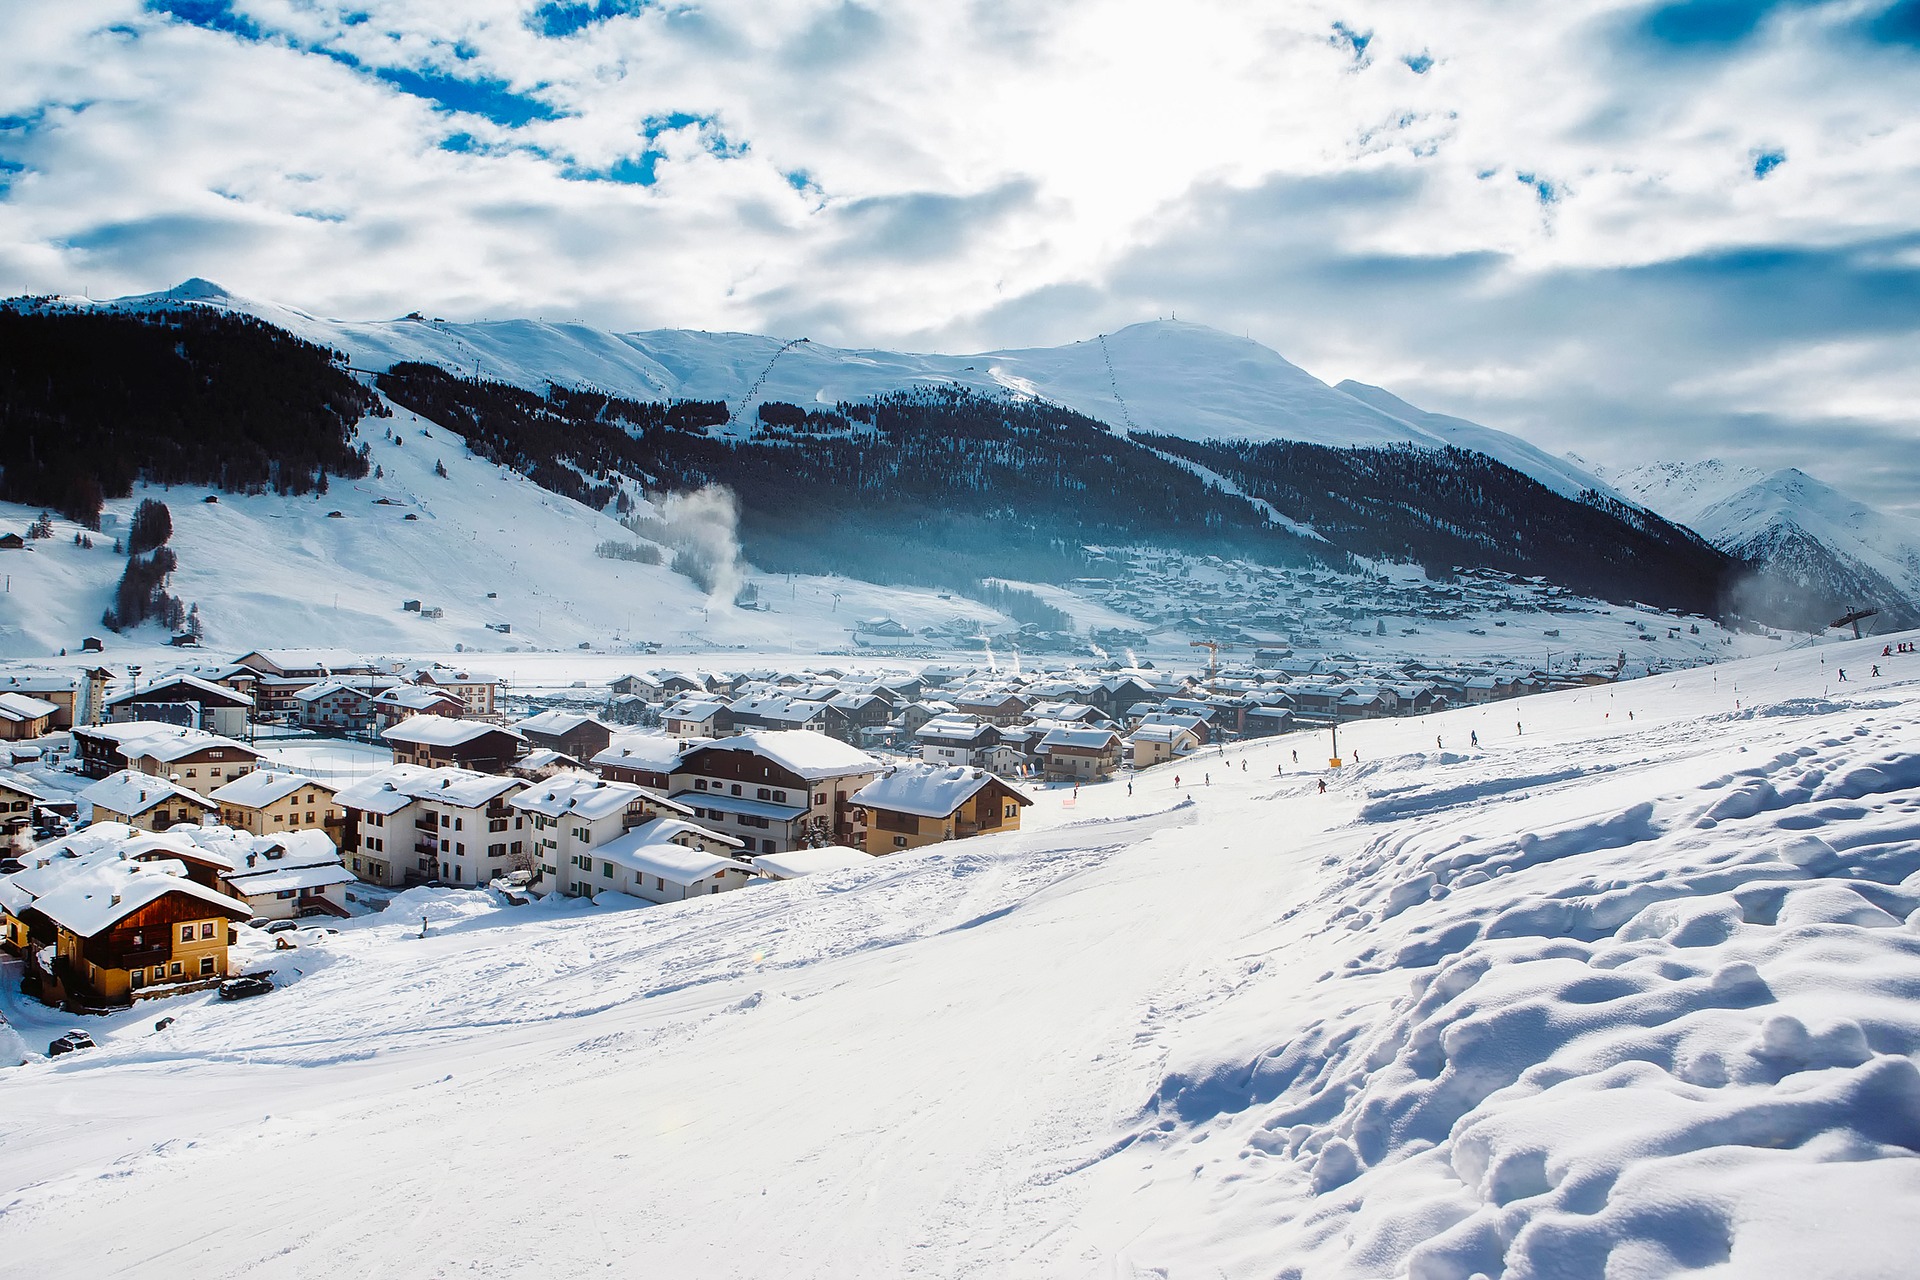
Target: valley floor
pixel 1629 988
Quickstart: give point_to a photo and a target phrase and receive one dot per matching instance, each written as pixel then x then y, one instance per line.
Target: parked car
pixel 259 922
pixel 70 1042
pixel 241 988
pixel 283 926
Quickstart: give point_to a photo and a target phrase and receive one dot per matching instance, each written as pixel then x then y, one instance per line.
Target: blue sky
pixel 1626 229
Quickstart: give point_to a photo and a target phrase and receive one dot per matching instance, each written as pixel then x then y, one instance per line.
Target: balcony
pixel 428 847
pixel 426 823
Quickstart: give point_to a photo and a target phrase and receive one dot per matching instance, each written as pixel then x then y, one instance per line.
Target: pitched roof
pixel 441 731
pixel 556 722
pixel 134 793
pixel 654 751
pixel 17 707
pixel 578 794
pixel 207 691
pixel 654 849
pixel 97 896
pixel 393 789
pixel 21 784
pixel 928 791
pixel 264 787
pixel 810 755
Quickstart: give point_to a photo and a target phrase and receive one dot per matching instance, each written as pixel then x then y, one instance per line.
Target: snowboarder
pixel 1474 737
pixel 1843 675
pixel 1875 671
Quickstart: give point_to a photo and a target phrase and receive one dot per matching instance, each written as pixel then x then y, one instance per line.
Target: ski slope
pixel 1629 988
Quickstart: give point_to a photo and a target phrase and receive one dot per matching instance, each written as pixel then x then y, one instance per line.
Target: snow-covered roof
pixel 795 863
pixel 305 659
pixel 556 722
pixel 207 689
pixel 654 849
pixel 928 790
pixel 393 789
pixel 413 697
pixel 1085 739
pixel 264 787
pixel 99 895
pixel 167 743
pixel 811 755
pixel 742 804
pixel 253 884
pixel 441 731
pixel 578 795
pixel 361 687
pixel 1160 733
pixel 134 793
pixel 21 784
pixel 654 751
pixel 957 728
pixel 17 707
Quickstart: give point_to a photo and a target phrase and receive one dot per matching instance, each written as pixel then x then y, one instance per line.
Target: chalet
pixel 199 761
pixel 782 790
pixel 287 876
pixel 408 824
pixel 916 714
pixel 272 801
pixel 994 708
pixel 919 804
pixel 122 927
pixel 574 815
pixel 12 542
pixel 542 763
pixel 391 706
pixel 778 711
pixel 1079 755
pixel 1153 744
pixel 645 759
pixel 663 859
pixel 1268 721
pixel 855 717
pixel 795 863
pixel 573 733
pixel 19 794
pixel 273 676
pixel 697 717
pixel 475 690
pixel 146 802
pixel 628 708
pixel 1195 724
pixel 23 716
pixel 645 688
pixel 186 700
pixel 77 697
pixel 436 742
pixel 339 705
pixel 956 739
pixel 678 683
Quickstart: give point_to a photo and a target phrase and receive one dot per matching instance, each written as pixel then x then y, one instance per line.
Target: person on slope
pixel 1323 786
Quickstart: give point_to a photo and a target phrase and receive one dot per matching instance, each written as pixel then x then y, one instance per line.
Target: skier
pixel 1176 782
pixel 1323 786
pixel 1296 757
pixel 1437 744
pixel 1875 671
pixel 1129 786
pixel 1474 737
pixel 1843 675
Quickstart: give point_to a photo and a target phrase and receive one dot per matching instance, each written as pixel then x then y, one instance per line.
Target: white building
pixel 573 816
pixel 409 824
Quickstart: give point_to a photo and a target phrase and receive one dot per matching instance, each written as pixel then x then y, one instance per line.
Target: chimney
pixel 116 900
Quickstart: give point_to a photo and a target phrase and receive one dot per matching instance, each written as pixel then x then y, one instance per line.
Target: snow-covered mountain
pixel 1798 530
pixel 1165 376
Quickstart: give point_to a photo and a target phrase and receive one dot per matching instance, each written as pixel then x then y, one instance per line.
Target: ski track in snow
pixel 1606 997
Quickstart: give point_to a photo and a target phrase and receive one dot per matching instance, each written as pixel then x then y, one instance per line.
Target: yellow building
pixel 145 802
pixel 267 802
pixel 921 804
pixel 123 927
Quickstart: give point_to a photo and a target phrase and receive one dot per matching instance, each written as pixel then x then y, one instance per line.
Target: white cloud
pixel 1534 216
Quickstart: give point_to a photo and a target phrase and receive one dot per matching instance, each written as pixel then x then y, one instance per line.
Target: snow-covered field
pixel 1630 988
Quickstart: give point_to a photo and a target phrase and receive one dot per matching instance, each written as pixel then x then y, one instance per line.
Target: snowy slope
pixel 1613 996
pixel 484 544
pixel 1166 376
pixel 1789 519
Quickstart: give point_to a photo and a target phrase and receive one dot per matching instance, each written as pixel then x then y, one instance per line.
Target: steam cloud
pixel 703 529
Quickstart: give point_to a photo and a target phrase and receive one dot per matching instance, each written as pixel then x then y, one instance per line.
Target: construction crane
pixel 1854 618
pixel 1213 648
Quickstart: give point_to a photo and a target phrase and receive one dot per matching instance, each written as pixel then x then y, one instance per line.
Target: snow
pixel 1630 988
pixel 812 756
pixel 926 790
pixel 261 787
pixel 577 795
pixel 133 793
pixel 92 897
pixel 654 751
pixel 651 850
pixel 795 863
pixel 442 731
pixel 394 788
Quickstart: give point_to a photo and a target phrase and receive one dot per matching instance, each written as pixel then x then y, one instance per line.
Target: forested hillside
pixel 938 486
pixel 92 401
pixel 1453 507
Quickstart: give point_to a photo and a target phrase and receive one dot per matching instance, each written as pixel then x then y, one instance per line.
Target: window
pixel 206 966
pixel 284 893
pixel 779 797
pixel 735 789
pixel 899 842
pixel 186 933
pixel 356 865
pixel 138 977
pixel 193 773
pixel 175 970
pixel 820 797
pixel 309 819
pixel 765 794
pixel 699 784
pixel 660 884
pixel 206 929
pixel 606 870
pixel 766 846
pixel 279 817
pixel 456 822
